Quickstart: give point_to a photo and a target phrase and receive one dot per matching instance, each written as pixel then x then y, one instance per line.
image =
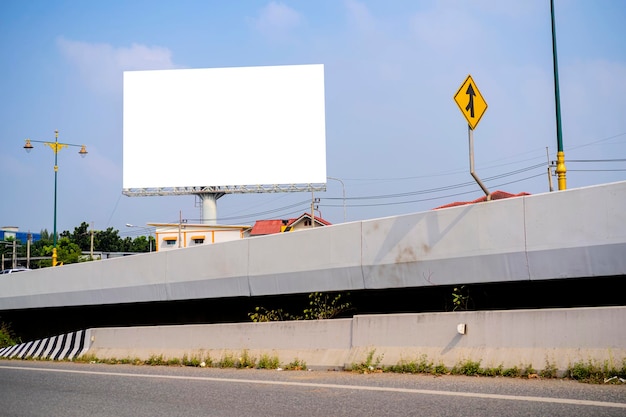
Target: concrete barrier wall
pixel 522 338
pixel 579 234
pixel 467 244
pixel 565 234
pixel 322 259
pixel 319 343
pixel 559 337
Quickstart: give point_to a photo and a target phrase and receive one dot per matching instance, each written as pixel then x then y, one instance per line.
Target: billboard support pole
pixel 209 207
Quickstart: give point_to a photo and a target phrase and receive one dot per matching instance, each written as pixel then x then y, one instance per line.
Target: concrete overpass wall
pixel 565 234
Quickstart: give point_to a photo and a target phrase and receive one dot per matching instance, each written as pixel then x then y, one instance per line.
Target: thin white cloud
pixel 592 104
pixel 446 29
pixel 101 65
pixel 360 16
pixel 277 21
pixel 373 44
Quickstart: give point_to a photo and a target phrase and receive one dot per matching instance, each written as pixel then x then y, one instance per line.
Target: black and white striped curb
pixel 63 347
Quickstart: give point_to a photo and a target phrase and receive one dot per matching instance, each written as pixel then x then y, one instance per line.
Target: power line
pixel 599 140
pixel 305 203
pixel 431 198
pixel 596 170
pixel 597 160
pixel 267 211
pixel 436 189
pixel 439 189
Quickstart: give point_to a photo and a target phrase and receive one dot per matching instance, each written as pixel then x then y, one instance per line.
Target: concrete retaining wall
pixel 522 338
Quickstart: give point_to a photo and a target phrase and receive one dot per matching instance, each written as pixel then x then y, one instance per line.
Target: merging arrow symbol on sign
pixel 470 105
pixel 470 102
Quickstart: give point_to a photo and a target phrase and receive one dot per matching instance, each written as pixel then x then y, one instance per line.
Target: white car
pixel 14 270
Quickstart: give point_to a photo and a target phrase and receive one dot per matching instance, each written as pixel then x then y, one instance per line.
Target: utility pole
pixel 180 225
pixel 14 262
pixel 29 239
pixel 91 245
pixel 312 210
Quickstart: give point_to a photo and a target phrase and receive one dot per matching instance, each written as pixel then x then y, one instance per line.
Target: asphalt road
pixel 30 388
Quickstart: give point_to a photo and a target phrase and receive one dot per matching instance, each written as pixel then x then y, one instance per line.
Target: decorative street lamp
pixel 560 155
pixel 56 146
pixel 343 188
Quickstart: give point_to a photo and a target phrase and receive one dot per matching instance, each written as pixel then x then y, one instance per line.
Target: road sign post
pixel 473 106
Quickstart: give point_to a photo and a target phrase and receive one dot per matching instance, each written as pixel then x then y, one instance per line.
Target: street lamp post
pixel 56 146
pixel 343 188
pixel 149 234
pixel 560 155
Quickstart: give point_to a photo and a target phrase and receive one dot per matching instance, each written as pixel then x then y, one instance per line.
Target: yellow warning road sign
pixel 470 102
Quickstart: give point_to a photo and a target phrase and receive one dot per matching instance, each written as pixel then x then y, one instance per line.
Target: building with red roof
pixel 496 195
pixel 270 227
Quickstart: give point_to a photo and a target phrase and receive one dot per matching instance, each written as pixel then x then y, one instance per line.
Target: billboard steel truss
pixel 235 189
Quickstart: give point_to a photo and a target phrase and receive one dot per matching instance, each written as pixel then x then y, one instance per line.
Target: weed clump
pixel 369 365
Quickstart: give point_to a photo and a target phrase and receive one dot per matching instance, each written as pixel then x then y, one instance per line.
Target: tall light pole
pixel 56 146
pixel 560 155
pixel 343 188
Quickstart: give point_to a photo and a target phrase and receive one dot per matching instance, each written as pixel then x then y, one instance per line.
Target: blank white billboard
pixel 224 127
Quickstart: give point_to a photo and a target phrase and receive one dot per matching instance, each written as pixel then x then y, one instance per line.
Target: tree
pixel 108 240
pixel 81 236
pixel 71 245
pixel 126 244
pixel 140 244
pixel 45 235
pixel 67 252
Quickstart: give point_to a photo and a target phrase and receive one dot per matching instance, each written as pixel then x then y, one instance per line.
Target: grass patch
pixel 155 360
pixel 595 373
pixel 7 337
pixel 420 366
pixel 370 364
pixel 268 362
pixel 582 371
pixel 549 371
pixel 467 367
pixel 227 361
pixel 245 360
pixel 196 361
pixel 296 365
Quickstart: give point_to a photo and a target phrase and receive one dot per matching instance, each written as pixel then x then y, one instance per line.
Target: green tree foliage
pixel 6 247
pixel 108 240
pixel 71 245
pixel 7 337
pixel 68 252
pixel 461 298
pixel 81 236
pixel 321 306
pixel 45 235
pixel 140 244
pixel 325 306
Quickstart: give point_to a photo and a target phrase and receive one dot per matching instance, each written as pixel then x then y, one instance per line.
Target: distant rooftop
pixel 269 227
pixel 496 195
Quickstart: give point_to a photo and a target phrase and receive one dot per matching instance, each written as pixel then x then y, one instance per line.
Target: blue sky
pixel 394 136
